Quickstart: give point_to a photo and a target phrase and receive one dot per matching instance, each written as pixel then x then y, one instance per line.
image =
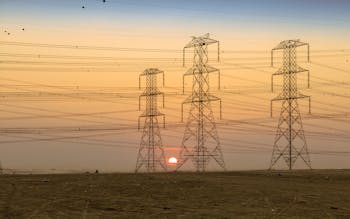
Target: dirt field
pixel 252 194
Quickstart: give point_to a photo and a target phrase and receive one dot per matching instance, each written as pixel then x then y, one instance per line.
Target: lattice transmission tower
pixel 290 143
pixel 201 142
pixel 151 155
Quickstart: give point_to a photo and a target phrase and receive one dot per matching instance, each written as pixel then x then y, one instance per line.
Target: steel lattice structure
pixel 290 143
pixel 151 155
pixel 201 141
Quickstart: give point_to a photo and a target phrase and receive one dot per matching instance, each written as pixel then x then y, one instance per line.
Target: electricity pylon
pixel 200 142
pixel 290 143
pixel 151 155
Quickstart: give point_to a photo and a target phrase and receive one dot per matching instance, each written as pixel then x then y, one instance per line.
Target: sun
pixel 172 160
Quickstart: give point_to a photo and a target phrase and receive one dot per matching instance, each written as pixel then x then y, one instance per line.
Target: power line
pixel 61 46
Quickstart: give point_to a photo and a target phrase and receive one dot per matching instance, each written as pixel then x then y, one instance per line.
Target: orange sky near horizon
pixel 57 93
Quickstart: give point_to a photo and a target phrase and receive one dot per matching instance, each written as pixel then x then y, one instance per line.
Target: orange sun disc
pixel 172 160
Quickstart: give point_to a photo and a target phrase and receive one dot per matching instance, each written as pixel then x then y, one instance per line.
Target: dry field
pixel 251 194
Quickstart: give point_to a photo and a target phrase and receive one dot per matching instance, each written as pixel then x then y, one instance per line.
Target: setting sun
pixel 172 160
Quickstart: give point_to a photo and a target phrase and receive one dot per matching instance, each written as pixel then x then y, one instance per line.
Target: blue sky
pixel 293 12
pixel 323 23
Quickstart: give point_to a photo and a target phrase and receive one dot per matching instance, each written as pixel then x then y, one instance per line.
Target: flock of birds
pixel 83 7
pixel 8 33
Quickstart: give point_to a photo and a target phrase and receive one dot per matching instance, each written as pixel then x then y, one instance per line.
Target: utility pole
pixel 151 155
pixel 201 142
pixel 290 143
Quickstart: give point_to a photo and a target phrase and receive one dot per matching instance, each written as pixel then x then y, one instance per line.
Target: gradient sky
pixel 238 20
pixel 254 26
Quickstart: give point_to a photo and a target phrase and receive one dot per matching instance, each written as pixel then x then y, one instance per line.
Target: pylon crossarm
pixel 300 96
pixel 213 98
pixel 151 115
pixel 210 98
pixel 190 72
pixel 147 94
pixel 209 69
pixel 151 71
pixel 199 42
pixel 282 72
pixel 289 44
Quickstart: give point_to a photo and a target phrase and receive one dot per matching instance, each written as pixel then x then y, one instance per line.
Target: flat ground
pixel 252 194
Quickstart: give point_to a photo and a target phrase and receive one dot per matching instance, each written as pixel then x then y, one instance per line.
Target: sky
pixel 65 69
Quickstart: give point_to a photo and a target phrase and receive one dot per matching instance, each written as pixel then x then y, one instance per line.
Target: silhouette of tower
pixel 200 142
pixel 290 143
pixel 151 154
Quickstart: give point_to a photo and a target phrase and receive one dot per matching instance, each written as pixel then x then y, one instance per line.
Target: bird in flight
pixel 104 1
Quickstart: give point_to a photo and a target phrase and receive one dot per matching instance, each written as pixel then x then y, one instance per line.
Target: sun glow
pixel 172 160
